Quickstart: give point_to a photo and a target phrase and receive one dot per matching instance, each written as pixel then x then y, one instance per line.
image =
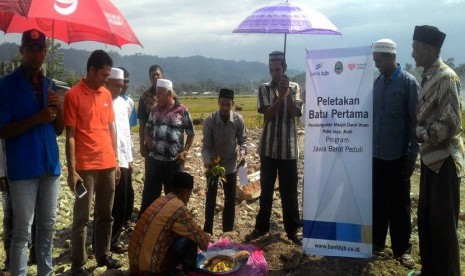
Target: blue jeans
pixel 7 223
pixel 28 196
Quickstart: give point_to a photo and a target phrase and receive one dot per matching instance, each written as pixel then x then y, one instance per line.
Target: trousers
pixel 438 211
pixel 229 204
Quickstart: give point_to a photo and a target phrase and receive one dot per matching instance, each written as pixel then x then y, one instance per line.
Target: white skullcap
pixel 384 46
pixel 116 74
pixel 164 83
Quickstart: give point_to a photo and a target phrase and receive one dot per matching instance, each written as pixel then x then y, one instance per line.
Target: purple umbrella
pixel 285 18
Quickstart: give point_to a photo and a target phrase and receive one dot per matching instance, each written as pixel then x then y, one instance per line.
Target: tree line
pixel 417 72
pixel 54 66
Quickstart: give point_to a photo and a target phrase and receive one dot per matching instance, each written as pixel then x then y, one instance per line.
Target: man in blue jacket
pixel 395 150
pixel 30 119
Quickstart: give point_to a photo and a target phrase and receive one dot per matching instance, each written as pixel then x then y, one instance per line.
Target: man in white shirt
pixel 115 84
pixel 132 114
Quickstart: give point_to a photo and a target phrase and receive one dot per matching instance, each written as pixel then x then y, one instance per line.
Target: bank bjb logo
pixel 65 7
pixel 338 67
pixel 318 71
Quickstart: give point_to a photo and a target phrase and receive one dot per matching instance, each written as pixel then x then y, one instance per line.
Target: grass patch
pixel 201 107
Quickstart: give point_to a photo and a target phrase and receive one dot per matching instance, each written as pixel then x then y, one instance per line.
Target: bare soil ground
pixel 283 257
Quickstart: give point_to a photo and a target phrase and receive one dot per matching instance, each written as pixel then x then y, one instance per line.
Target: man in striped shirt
pixel 279 102
pixel 442 155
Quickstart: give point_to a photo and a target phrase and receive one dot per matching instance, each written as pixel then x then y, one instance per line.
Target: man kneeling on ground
pixel 166 237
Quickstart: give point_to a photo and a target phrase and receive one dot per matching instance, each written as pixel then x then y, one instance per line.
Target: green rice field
pixel 201 107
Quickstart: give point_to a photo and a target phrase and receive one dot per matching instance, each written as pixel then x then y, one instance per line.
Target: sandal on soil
pixel 406 260
pixel 255 234
pixel 381 254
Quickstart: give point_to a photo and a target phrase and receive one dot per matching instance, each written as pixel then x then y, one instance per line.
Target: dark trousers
pixel 130 198
pixel 391 205
pixel 120 204
pixel 438 210
pixel 158 174
pixel 229 204
pixel 286 170
pixel 183 251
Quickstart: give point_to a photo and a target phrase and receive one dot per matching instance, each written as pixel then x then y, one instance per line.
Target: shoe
pixel 80 271
pixel 379 251
pixel 295 239
pixel 407 261
pixel 129 223
pixel 108 262
pixel 129 226
pixel 255 234
pixel 119 249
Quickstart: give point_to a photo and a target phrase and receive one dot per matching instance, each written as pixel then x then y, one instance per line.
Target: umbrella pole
pixel 52 54
pixel 285 38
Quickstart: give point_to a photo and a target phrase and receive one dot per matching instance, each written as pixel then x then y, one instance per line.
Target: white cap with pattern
pixel 384 46
pixel 164 83
pixel 116 74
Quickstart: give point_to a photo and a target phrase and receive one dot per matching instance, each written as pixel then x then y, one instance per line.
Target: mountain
pixel 177 69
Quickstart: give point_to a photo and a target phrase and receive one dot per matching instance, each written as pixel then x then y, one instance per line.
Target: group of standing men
pixel 408 119
pixel 31 119
pixel 165 231
pixel 404 115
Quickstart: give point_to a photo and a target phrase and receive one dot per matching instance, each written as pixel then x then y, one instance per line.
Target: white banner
pixel 338 153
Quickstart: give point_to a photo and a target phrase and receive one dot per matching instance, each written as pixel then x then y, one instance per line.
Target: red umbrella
pixel 68 20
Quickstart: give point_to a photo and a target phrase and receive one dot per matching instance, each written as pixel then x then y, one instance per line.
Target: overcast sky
pixel 204 27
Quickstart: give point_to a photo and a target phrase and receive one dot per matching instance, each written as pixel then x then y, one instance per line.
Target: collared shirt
pixel 395 100
pixel 35 152
pixel 91 113
pixel 123 132
pixel 146 102
pixel 167 127
pixel 279 135
pixel 439 118
pixel 132 113
pixel 221 139
pixel 164 220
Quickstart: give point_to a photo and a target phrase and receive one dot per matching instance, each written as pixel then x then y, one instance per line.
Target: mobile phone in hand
pixel 80 189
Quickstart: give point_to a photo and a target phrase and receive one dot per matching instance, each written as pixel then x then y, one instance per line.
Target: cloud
pixel 189 27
